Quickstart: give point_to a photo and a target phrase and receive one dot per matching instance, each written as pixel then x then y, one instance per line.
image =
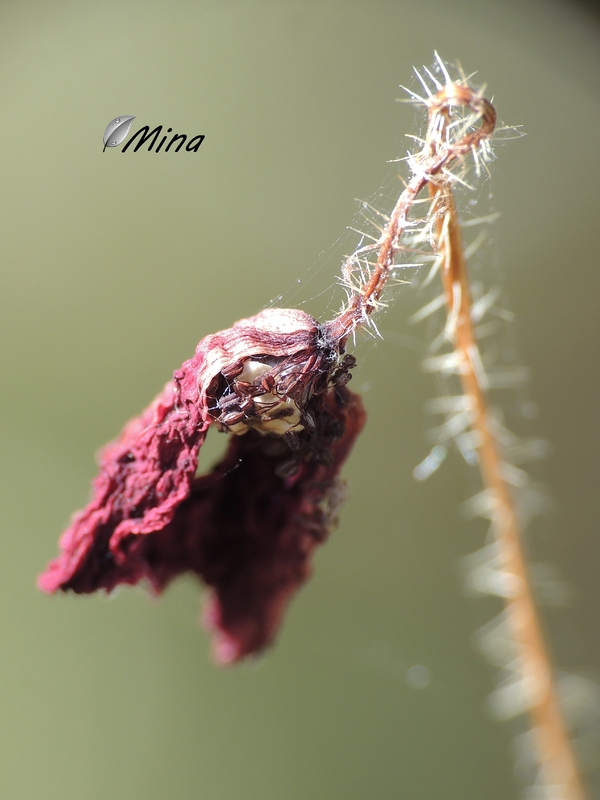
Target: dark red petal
pixel 249 527
pixel 144 476
pixel 250 534
pixel 147 472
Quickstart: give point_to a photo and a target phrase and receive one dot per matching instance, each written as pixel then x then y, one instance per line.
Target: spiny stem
pixel 446 142
pixel 437 154
pixel 554 752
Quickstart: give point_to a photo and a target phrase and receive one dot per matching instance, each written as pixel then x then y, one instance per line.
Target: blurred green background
pixel 115 265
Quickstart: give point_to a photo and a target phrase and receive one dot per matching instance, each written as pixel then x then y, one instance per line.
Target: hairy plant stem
pixel 554 752
pixel 432 161
pixel 446 143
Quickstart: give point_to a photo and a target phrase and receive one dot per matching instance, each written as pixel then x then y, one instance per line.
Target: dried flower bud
pixel 248 527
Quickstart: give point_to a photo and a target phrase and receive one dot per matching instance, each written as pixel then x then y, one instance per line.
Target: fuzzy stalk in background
pixel 554 753
pixel 460 126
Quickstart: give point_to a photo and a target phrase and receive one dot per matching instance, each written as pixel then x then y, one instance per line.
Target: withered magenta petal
pixel 249 527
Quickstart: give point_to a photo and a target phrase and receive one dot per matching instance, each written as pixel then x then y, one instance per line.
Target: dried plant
pixel 276 384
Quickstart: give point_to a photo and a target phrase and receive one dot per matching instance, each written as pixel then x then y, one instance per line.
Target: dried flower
pixel 277 382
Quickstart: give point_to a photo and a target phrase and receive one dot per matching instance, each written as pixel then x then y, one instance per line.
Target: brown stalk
pixel 554 752
pixel 558 767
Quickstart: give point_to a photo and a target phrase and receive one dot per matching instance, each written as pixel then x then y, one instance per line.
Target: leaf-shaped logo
pixel 116 130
